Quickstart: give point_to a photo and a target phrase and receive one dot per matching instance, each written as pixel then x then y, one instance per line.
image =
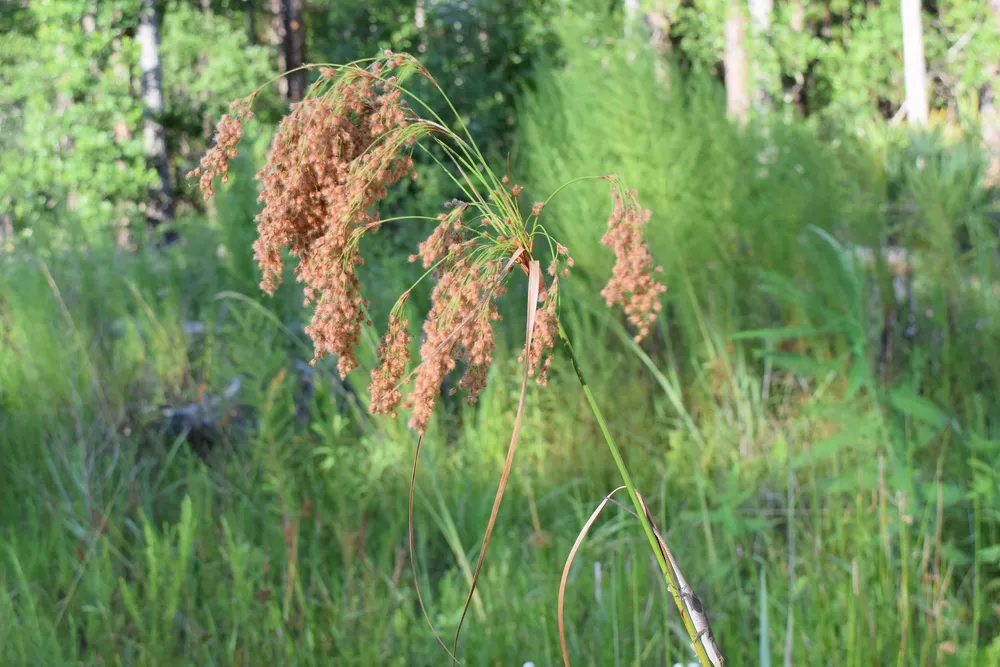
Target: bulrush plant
pixel 331 162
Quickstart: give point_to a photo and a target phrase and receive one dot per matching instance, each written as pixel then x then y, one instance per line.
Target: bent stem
pixel 673 585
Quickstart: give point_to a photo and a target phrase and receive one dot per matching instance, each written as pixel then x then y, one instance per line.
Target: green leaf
pixel 952 494
pixel 826 449
pixel 784 333
pixel 956 556
pixel 858 378
pixel 128 598
pixel 865 478
pixel 911 404
pixel 990 554
pixel 799 364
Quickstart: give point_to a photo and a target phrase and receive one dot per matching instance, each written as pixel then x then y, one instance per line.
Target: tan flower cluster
pixel 332 158
pixel 632 284
pixel 445 236
pixel 393 357
pixel 228 134
pixel 543 339
pixel 459 327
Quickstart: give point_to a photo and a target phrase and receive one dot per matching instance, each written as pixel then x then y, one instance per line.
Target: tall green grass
pixel 776 323
pixel 725 203
pixel 123 545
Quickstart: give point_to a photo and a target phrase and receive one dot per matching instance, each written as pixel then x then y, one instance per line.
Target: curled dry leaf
pixel 569 564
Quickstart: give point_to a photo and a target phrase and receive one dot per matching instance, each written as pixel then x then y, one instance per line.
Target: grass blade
pixel 534 278
pixel 569 563
pixel 704 639
pixel 764 643
pixel 413 560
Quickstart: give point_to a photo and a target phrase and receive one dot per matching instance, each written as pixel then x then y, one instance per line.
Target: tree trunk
pixel 277 35
pixel 160 207
pixel 797 23
pixel 914 65
pixel 632 14
pixel 297 49
pixel 737 66
pixel 797 16
pixel 659 26
pixel 6 233
pixel 760 11
pixel 990 113
pixel 289 35
pixel 652 25
pixel 251 23
pixel 207 122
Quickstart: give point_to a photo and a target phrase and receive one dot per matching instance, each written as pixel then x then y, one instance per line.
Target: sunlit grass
pixel 777 449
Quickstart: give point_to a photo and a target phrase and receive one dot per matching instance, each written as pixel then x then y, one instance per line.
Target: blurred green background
pixel 815 421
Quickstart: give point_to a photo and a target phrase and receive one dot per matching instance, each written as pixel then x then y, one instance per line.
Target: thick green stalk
pixel 672 584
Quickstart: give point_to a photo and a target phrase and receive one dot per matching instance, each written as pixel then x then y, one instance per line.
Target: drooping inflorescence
pixel 633 284
pixel 215 162
pixel 332 160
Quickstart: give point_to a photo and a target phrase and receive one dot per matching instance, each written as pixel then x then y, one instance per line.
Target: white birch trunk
pixel 914 65
pixel 760 13
pixel 160 207
pixel 737 66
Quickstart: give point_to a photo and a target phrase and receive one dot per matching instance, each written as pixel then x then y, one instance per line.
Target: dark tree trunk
pixel 289 36
pixel 251 22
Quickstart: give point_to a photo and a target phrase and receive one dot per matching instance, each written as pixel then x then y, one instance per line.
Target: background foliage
pixel 814 421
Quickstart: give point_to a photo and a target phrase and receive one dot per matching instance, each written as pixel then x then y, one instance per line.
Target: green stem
pixel 672 584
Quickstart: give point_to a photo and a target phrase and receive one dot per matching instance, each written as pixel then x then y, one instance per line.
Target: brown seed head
pixel 215 162
pixel 393 357
pixel 544 337
pixel 332 158
pixel 632 285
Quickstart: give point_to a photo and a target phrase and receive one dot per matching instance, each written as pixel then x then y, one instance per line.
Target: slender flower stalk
pixel 671 576
pixel 333 160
